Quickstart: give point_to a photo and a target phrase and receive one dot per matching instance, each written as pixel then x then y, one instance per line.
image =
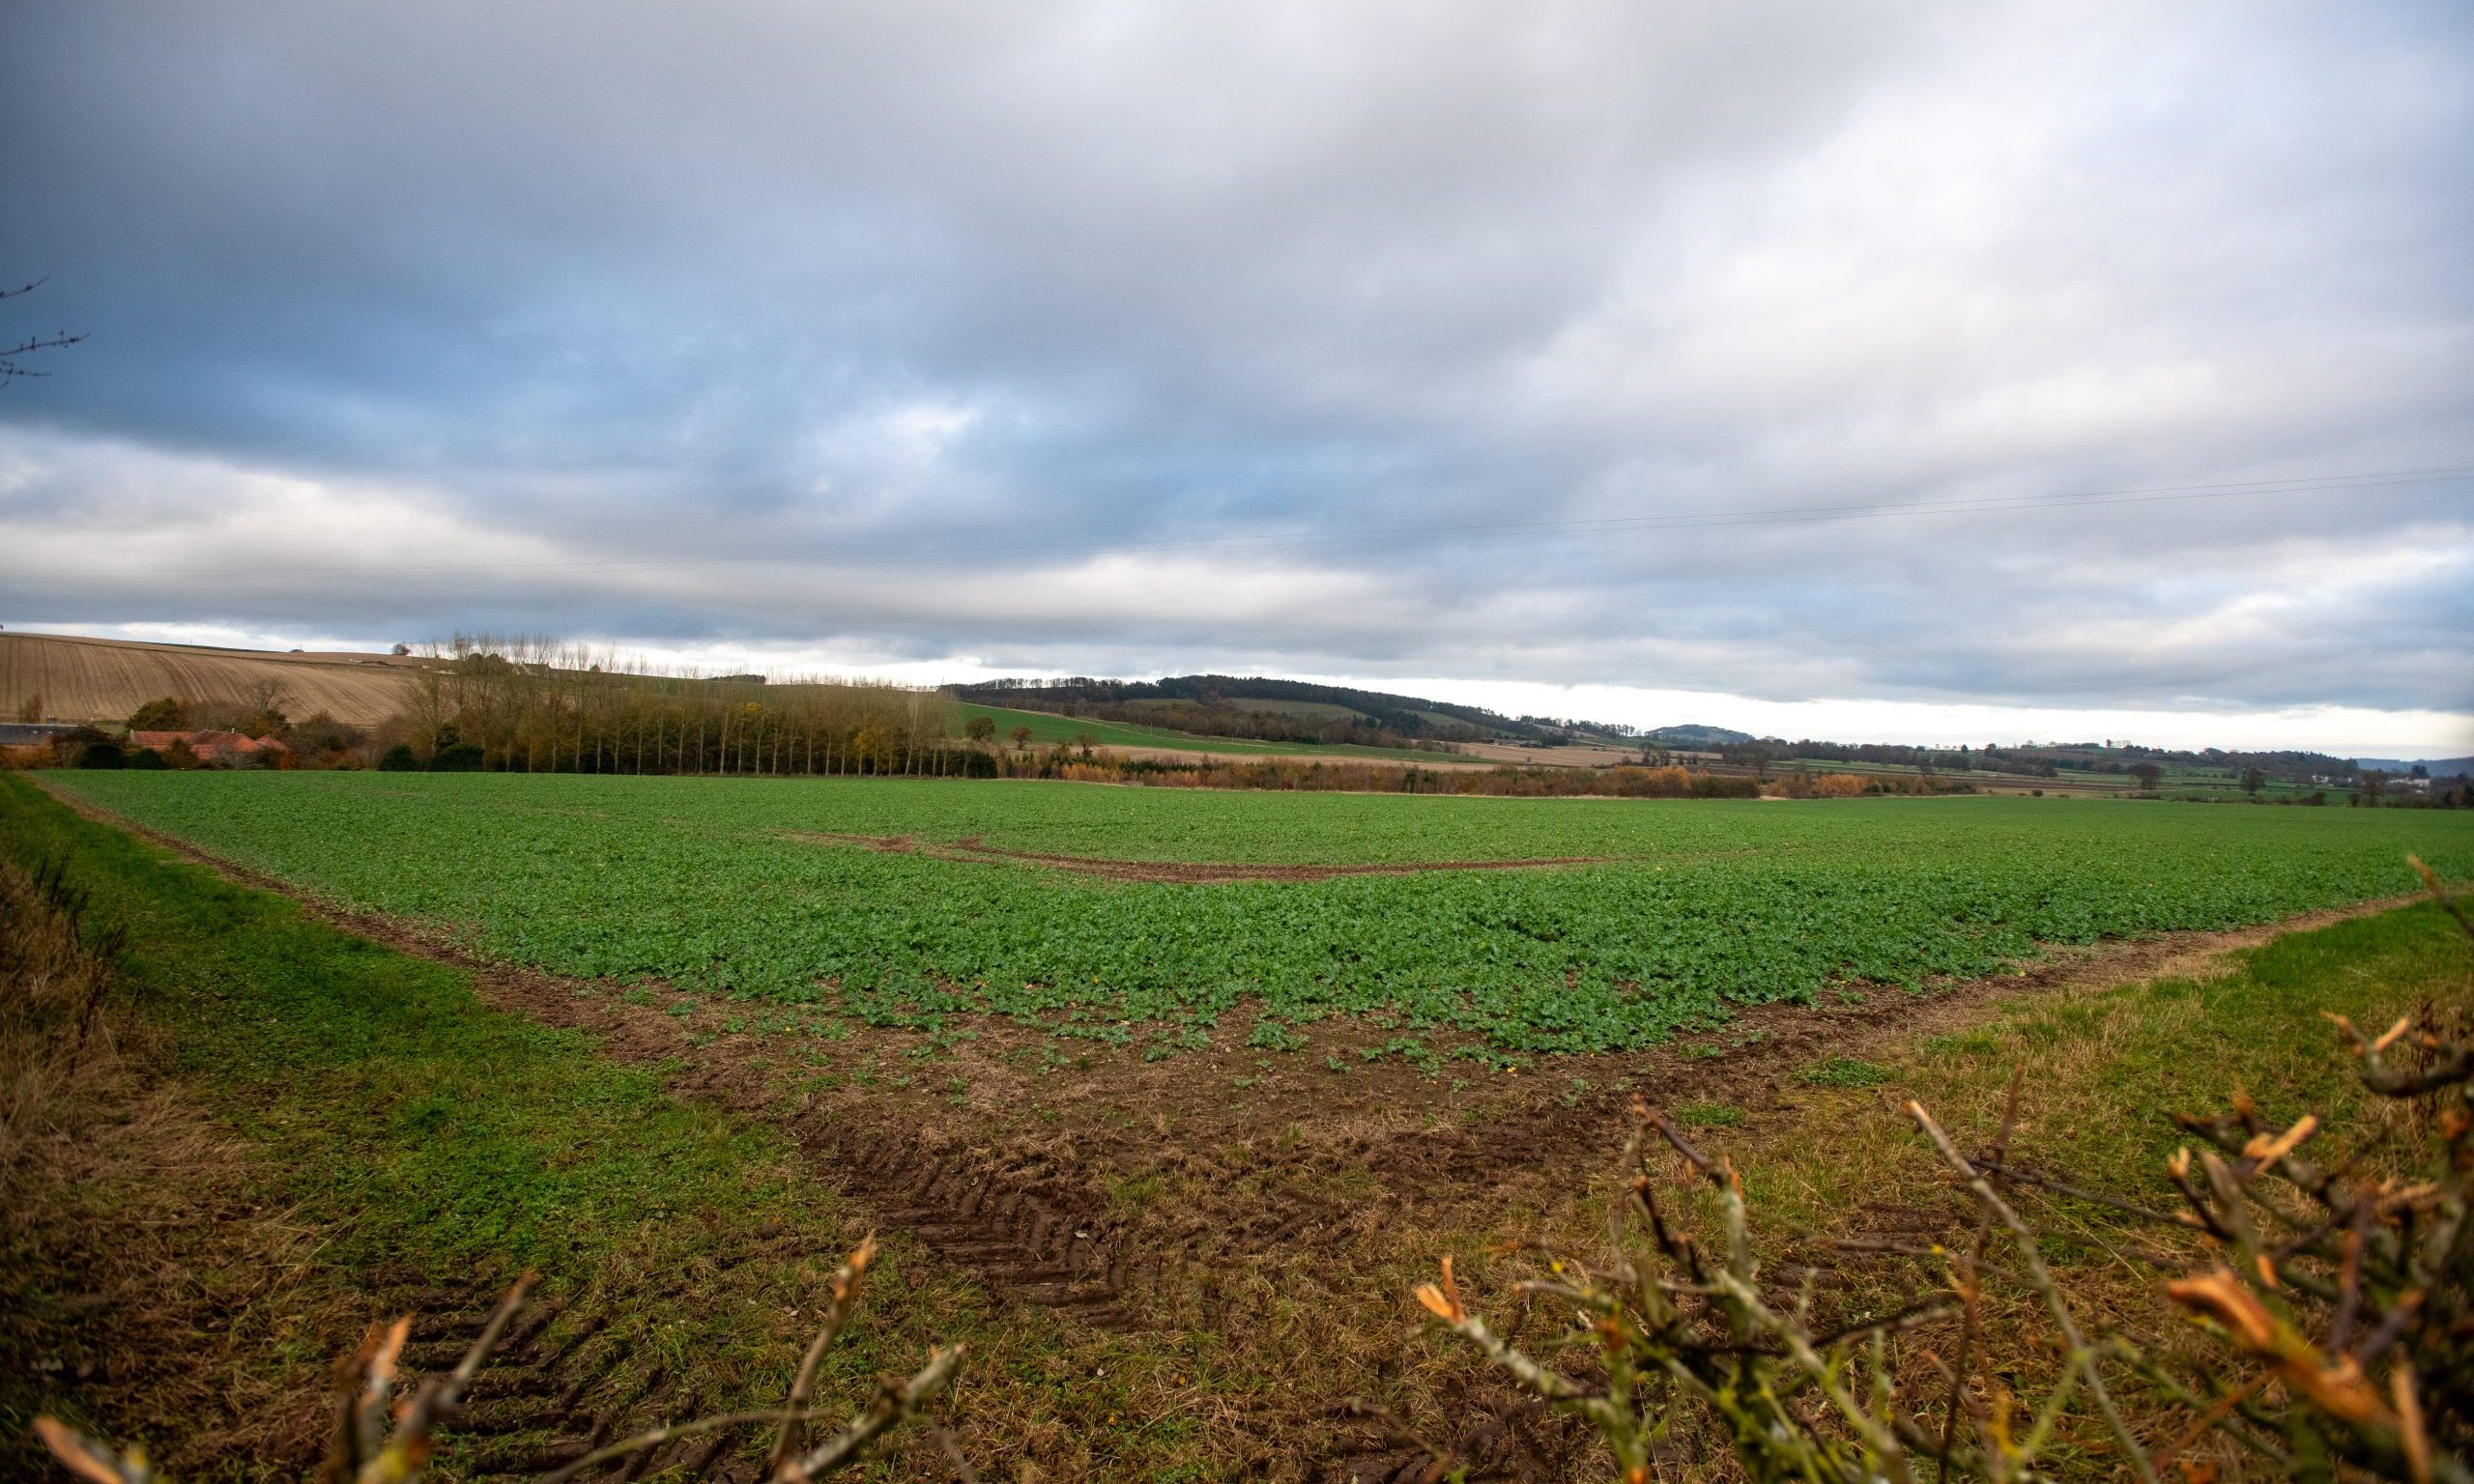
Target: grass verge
pixel 300 1129
pixel 2107 1069
pixel 2100 1074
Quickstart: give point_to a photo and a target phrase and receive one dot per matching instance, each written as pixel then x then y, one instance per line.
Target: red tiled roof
pixel 208 742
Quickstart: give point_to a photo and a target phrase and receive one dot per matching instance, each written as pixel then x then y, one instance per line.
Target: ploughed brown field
pixel 105 679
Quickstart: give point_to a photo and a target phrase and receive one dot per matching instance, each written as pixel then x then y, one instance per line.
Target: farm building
pixel 33 733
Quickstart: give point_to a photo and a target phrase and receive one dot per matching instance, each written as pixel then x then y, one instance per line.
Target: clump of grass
pixel 1845 1072
pixel 1271 1035
pixel 1708 1115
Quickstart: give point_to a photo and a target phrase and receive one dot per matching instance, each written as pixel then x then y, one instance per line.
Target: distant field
pixel 105 679
pixel 1313 710
pixel 1047 728
pixel 1125 913
pixel 2218 784
pixel 2176 783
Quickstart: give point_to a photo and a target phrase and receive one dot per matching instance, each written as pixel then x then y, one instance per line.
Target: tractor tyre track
pixel 1037 1236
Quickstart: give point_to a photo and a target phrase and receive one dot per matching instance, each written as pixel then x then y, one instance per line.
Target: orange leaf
pixel 2221 1296
pixel 75 1450
pixel 2270 1151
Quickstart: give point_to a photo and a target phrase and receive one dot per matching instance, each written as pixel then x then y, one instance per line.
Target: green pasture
pixel 1048 729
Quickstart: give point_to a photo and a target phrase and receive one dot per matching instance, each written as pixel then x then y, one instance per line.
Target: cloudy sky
pixel 1922 371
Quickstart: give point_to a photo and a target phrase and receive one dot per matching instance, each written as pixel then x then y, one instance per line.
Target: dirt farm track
pixel 73 679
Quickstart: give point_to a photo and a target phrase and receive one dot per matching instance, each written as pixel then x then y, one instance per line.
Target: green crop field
pixel 1677 911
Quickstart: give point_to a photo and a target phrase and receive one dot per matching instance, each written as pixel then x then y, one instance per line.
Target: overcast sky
pixel 1600 360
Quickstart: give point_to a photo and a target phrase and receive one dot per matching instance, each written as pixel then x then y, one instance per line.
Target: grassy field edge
pixel 427 1146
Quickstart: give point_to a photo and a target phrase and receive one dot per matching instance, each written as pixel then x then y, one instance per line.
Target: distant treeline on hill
pixel 486 704
pixel 2043 761
pixel 1213 704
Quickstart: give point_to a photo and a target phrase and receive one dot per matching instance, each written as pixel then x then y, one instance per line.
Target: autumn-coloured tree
pixel 169 713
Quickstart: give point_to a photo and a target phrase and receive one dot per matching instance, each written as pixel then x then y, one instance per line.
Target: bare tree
pixel 9 369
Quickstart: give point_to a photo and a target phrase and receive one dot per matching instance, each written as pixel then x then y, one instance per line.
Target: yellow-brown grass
pixel 145 1279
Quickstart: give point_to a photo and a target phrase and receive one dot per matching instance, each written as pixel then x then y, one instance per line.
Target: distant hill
pixel 1697 736
pixel 2439 768
pixel 70 678
pixel 1258 706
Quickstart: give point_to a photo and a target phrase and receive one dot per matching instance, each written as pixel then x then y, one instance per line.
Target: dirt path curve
pixel 974 847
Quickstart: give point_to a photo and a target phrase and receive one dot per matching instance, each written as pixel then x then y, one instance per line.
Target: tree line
pixel 535 706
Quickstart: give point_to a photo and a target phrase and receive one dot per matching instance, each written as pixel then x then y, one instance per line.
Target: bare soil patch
pixel 1200 873
pixel 1498 753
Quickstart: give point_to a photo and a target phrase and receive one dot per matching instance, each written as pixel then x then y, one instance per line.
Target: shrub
pixel 457 758
pixel 102 754
pixel 147 760
pixel 399 758
pixel 324 742
pixel 170 713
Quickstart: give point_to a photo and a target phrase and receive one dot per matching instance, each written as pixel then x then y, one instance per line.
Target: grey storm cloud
pixel 1121 337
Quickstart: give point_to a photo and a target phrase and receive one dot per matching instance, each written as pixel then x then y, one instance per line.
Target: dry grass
pixel 147 1278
